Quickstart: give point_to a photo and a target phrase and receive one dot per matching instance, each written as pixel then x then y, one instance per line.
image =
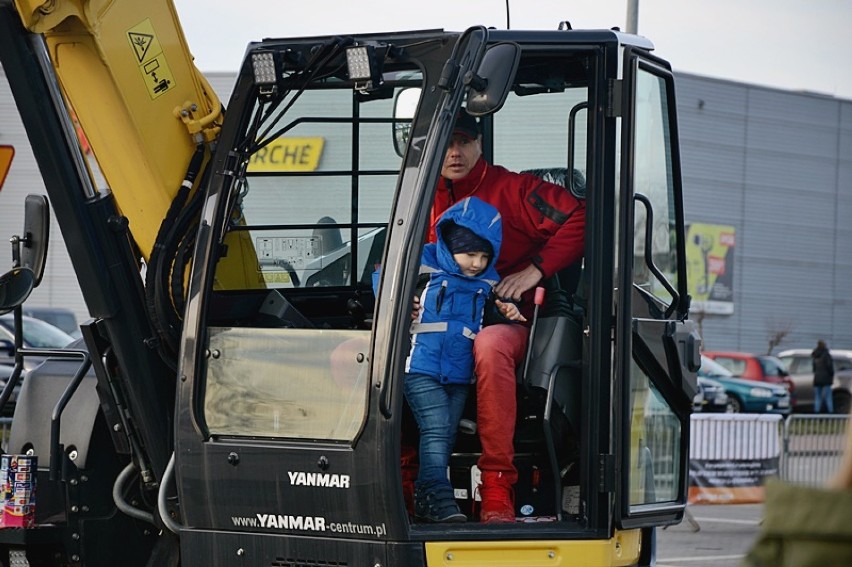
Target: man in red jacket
pixel 543 227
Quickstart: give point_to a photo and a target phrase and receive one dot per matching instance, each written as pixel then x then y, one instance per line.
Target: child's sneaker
pixel 437 504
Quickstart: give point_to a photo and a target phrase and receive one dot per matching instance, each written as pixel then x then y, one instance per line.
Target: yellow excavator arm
pixel 128 75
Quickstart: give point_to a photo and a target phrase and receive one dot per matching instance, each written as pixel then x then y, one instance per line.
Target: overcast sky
pixel 789 44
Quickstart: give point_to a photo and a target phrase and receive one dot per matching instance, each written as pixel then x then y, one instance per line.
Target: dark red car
pixel 760 367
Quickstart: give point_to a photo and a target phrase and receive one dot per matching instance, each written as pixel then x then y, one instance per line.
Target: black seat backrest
pixel 558 335
pixel 559 176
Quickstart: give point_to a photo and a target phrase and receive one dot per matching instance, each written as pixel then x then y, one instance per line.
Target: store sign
pixel 288 154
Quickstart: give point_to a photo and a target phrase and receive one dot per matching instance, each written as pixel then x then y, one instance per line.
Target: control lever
pixel 539 300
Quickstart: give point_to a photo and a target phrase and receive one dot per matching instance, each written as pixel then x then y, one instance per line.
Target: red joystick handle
pixel 539 295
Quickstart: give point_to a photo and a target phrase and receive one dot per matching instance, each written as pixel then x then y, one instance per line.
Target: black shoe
pixel 437 505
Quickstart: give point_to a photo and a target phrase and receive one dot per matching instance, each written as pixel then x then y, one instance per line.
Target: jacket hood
pixel 479 217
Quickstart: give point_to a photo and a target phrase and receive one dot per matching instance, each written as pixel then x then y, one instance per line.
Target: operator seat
pixel 556 346
pixel 550 383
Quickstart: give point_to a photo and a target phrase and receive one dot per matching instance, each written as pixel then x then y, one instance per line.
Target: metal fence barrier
pixel 813 448
pixel 731 455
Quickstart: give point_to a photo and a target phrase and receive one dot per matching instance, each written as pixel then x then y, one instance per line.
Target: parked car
pixel 747 396
pixel 798 363
pixel 761 367
pixel 60 317
pixel 715 398
pixel 698 399
pixel 37 334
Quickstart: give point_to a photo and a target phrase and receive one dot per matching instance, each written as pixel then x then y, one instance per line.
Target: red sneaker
pixel 498 499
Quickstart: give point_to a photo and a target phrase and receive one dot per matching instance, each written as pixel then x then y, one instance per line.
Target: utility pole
pixel 632 16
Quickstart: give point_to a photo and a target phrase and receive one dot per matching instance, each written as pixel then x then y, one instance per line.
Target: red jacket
pixel 543 223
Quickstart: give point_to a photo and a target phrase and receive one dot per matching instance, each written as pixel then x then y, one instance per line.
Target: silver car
pixel 798 363
pixel 37 334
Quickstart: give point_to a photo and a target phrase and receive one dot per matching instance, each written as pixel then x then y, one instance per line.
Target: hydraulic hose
pixel 172 525
pixel 118 496
pixel 159 306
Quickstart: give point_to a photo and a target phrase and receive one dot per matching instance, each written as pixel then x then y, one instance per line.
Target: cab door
pixel 656 346
pixel 290 403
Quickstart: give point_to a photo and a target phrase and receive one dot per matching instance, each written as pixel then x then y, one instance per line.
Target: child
pixel 456 276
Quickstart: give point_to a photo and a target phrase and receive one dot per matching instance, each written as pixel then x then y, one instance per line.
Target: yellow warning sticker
pixel 150 58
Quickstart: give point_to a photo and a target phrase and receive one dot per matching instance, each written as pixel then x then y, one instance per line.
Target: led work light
pixel 363 67
pixel 265 75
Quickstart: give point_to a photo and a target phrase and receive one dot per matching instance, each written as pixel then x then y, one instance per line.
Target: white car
pixel 798 363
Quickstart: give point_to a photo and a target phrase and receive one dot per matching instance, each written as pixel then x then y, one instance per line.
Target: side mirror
pixel 404 108
pixel 493 81
pixel 15 286
pixel 36 235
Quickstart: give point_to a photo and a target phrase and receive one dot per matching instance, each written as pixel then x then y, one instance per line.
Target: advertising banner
pixel 731 456
pixel 710 267
pixel 288 154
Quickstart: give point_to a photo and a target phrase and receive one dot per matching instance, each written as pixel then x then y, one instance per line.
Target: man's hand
pixel 512 286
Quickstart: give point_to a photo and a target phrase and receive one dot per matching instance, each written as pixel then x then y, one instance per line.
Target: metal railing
pixel 813 448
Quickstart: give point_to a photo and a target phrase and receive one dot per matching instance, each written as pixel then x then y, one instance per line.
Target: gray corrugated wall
pixel 780 159
pixel 776 165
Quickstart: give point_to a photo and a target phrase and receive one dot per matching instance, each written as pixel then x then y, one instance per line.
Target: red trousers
pixel 498 350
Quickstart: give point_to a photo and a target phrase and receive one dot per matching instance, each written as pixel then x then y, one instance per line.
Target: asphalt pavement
pixel 710 535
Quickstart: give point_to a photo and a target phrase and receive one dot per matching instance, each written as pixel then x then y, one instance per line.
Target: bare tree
pixel 777 331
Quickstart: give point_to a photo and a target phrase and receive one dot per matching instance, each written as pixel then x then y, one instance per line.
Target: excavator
pixel 236 396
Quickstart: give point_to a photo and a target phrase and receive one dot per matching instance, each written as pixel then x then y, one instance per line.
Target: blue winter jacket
pixel 451 303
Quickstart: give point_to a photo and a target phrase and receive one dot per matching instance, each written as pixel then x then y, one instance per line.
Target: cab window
pixel 289 321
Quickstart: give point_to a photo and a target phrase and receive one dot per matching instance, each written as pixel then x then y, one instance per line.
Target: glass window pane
pixel 655 433
pixel 653 178
pixel 286 359
pixel 286 383
pixel 534 134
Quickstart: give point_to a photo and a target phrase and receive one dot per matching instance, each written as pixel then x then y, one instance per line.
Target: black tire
pixel 842 401
pixel 734 405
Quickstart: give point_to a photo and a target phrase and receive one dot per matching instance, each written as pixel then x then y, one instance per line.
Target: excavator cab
pixel 247 395
pixel 290 402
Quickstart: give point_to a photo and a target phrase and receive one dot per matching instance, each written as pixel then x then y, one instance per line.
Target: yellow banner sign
pixel 710 267
pixel 288 154
pixel 6 155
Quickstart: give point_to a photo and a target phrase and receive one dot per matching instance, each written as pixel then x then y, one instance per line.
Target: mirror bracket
pixel 475 82
pixel 491 83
